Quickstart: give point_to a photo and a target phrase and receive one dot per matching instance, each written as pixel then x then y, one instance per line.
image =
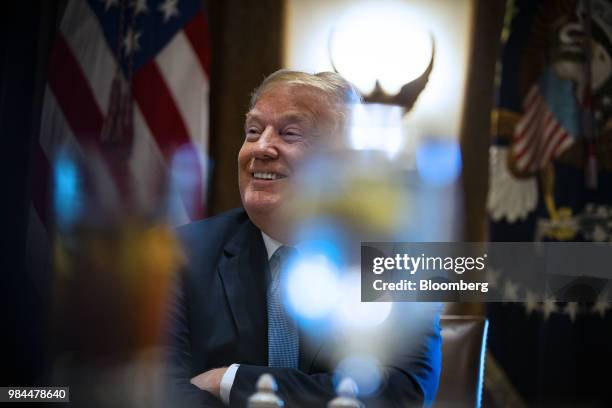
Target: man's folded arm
pixel 179 359
pixel 410 379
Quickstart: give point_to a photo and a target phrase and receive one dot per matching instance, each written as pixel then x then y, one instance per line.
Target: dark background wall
pixel 247 46
pixel 26 34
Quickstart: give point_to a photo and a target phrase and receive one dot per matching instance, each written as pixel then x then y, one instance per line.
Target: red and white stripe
pixel 170 94
pixel 538 137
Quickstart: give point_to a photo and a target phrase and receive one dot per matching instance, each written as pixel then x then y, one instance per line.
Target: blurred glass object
pixel 439 161
pixel 376 127
pixel 114 260
pixel 187 176
pixel 322 236
pixel 353 314
pixel 68 190
pixel 361 192
pixel 312 285
pixel 341 199
pixel 363 370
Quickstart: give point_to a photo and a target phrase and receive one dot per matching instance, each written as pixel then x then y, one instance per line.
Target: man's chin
pixel 268 215
pixel 261 207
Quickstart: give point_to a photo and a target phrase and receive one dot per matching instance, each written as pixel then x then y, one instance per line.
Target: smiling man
pixel 228 325
pixel 292 116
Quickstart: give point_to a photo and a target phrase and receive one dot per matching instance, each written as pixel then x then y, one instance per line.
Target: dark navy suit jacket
pixel 219 317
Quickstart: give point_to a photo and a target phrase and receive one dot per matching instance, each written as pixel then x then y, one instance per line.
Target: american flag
pixel 549 125
pixel 134 73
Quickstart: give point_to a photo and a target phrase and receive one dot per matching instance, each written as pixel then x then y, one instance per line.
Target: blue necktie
pixel 283 341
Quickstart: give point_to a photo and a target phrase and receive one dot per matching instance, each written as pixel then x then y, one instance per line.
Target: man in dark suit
pixel 226 324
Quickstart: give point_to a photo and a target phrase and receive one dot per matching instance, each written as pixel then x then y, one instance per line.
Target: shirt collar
pixel 271 244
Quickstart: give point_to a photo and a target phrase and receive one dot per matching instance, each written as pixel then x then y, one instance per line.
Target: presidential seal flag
pixel 553 116
pixel 551 180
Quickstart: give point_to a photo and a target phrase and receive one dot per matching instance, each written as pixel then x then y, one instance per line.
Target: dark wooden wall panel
pixel 247 45
pixel 487 20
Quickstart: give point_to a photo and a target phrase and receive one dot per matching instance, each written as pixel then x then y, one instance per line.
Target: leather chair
pixel 464 340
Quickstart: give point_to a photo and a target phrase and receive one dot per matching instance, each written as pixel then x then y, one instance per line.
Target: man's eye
pixel 292 134
pixel 252 132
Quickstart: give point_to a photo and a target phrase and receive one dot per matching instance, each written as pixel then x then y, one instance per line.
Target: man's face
pixel 284 127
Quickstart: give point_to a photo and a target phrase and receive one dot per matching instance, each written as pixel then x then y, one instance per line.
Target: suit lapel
pixel 244 274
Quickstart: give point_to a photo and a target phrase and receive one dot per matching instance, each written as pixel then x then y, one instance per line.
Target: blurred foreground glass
pixel 114 256
pixel 360 194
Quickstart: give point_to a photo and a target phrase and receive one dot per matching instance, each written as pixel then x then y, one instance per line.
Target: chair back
pixel 464 340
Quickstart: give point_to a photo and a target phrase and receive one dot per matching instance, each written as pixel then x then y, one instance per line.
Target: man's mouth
pixel 267 176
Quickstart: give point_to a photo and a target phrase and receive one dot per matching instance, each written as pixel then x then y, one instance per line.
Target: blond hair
pixel 333 85
pixel 339 92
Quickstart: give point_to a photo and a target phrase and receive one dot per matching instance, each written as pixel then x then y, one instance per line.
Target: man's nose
pixel 266 144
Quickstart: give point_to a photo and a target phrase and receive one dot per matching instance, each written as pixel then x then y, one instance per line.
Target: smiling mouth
pixel 267 176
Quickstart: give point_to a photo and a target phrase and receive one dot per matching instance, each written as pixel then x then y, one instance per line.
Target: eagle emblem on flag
pixel 554 107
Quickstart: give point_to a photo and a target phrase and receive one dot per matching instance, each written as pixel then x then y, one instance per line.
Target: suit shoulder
pixel 203 241
pixel 215 229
